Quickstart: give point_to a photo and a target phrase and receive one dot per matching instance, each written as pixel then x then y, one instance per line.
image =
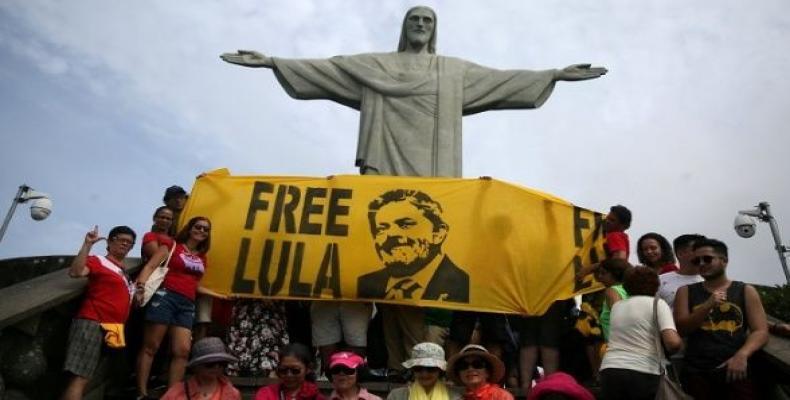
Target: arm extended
pixel 78 268
pixel 248 58
pixel 579 72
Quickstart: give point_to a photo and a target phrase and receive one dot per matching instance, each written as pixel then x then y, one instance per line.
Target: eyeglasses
pixel 203 228
pixel 288 371
pixel 123 241
pixel 474 364
pixel 421 368
pixel 701 260
pixel 342 370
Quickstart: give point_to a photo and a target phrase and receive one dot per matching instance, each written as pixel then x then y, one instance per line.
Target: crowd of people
pixel 676 311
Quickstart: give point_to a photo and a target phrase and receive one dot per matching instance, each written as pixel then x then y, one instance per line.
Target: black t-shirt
pixel 723 332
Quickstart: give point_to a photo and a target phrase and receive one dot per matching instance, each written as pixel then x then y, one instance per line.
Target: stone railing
pixel 38 301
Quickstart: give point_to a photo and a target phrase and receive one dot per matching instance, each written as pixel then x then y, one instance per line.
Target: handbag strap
pixel 169 255
pixel 659 347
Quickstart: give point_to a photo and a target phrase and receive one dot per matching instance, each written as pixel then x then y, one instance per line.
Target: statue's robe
pixel 410 121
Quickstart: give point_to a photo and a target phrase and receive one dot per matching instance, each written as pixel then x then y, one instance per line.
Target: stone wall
pixel 39 301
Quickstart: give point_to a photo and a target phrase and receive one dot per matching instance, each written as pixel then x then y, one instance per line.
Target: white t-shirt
pixel 671 282
pixel 632 334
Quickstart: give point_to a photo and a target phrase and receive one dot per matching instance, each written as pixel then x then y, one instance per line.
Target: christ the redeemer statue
pixel 411 101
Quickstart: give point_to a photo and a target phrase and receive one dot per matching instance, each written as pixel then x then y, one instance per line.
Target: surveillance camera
pixel 40 208
pixel 744 226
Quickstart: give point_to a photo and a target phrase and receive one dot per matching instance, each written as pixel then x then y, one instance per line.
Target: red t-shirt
pixel 185 271
pixel 308 391
pixel 108 297
pixel 617 241
pixel 162 238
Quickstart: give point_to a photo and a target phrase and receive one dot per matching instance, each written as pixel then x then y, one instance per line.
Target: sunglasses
pixel 215 364
pixel 474 364
pixel 420 368
pixel 341 370
pixel 702 260
pixel 202 228
pixel 288 371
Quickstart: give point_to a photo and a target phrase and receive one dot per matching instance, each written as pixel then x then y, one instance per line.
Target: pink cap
pixel 346 358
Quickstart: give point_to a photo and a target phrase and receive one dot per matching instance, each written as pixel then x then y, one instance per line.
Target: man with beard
pixel 408 232
pixel 724 323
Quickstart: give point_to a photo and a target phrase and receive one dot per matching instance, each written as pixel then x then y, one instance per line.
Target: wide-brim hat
pixel 209 350
pixel 426 355
pixel 497 366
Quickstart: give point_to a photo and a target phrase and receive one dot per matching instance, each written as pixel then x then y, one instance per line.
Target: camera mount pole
pixel 766 216
pixel 19 198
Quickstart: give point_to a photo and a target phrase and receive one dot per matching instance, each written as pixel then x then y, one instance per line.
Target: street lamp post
pixel 744 226
pixel 40 208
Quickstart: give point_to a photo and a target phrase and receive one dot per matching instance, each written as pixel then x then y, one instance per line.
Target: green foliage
pixel 776 301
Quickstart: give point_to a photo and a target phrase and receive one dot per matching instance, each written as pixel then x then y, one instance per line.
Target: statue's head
pixel 419 27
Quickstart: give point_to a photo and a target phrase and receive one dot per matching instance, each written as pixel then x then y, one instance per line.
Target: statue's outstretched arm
pixel 578 72
pixel 248 58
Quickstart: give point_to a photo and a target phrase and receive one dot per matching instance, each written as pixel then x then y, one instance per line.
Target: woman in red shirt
pixel 158 236
pixel 172 308
pixel 654 251
pixel 480 372
pixel 295 367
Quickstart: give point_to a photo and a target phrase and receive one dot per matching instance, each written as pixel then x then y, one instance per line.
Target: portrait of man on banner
pixel 408 232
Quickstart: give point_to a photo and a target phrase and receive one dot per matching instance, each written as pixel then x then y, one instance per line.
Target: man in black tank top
pixel 724 323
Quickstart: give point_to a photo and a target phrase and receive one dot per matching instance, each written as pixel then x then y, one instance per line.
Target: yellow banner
pixel 468 244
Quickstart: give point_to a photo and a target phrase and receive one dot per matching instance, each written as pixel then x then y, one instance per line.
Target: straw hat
pixel 497 367
pixel 208 350
pixel 426 355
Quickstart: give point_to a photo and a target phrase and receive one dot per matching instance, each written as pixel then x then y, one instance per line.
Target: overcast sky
pixel 104 104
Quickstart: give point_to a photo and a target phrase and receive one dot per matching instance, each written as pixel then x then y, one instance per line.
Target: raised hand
pixel 93 236
pixel 248 58
pixel 580 72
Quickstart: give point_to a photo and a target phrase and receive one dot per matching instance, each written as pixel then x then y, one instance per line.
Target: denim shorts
pixel 170 308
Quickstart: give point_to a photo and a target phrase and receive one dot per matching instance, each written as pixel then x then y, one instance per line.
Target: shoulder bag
pixel 157 277
pixel 668 389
